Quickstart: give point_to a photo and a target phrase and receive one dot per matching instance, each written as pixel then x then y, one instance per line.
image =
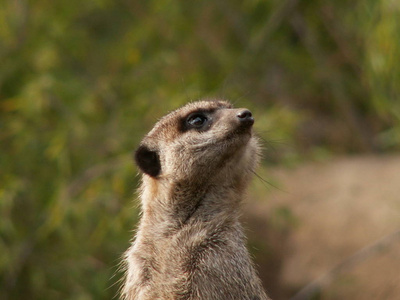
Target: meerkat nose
pixel 245 117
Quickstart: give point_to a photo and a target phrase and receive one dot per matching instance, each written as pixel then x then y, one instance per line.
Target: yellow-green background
pixel 82 81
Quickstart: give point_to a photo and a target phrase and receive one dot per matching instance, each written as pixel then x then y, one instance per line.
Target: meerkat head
pixel 199 141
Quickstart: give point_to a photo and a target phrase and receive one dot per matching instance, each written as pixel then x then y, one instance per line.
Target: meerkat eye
pixel 196 120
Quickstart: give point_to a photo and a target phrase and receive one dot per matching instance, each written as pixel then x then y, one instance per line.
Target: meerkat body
pixel 196 164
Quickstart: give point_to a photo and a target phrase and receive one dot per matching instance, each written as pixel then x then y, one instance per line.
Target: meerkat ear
pixel 148 161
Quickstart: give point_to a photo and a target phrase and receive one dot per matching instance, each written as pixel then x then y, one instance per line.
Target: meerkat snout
pixel 246 117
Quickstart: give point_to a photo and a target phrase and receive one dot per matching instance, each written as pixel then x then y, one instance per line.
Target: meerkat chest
pixel 180 251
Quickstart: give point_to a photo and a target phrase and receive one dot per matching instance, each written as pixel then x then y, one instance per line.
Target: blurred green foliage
pixel 80 83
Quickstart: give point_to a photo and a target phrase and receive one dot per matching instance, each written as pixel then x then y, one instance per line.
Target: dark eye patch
pixel 196 120
pixel 199 120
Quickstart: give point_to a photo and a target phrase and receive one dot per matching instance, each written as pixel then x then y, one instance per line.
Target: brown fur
pixel 190 244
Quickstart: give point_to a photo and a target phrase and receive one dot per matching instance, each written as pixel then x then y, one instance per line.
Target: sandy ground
pixel 322 214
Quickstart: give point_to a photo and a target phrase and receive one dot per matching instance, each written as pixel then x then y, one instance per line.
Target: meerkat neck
pixel 183 203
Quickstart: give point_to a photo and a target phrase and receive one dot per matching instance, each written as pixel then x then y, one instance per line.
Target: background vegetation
pixel 82 81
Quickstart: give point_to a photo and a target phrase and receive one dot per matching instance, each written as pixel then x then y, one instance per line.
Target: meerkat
pixel 196 164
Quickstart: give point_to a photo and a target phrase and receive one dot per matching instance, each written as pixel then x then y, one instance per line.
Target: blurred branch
pixel 332 26
pixel 342 101
pixel 73 189
pixel 260 38
pixel 276 19
pixel 312 288
pixel 20 13
pixel 234 19
pixel 79 183
pixel 24 254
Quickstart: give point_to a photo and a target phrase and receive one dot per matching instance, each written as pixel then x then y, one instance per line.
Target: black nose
pixel 245 117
